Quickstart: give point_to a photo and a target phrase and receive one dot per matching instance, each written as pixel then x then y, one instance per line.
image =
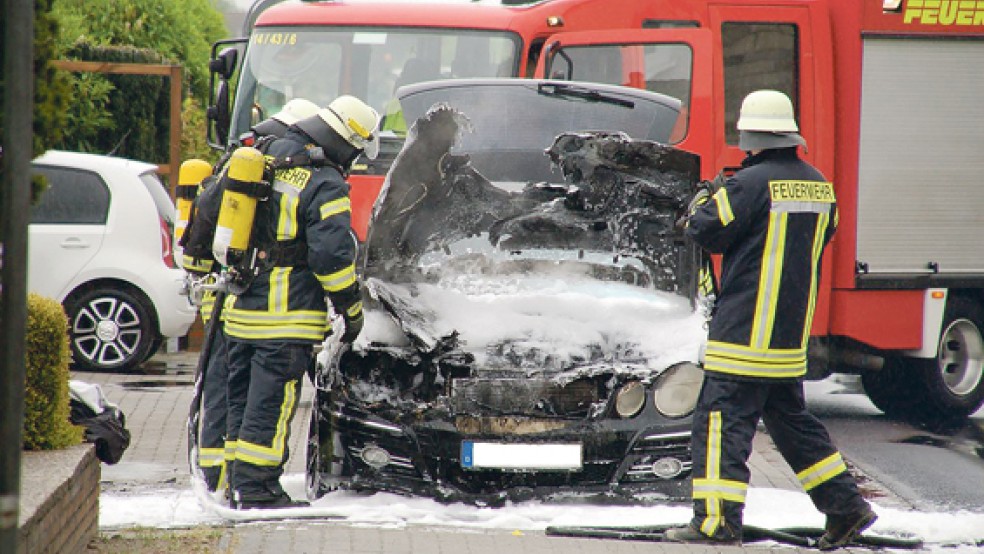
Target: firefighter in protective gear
pixel 197 259
pixel 770 221
pixel 306 251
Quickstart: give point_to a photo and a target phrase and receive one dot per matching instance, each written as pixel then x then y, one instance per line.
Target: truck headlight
pixel 677 389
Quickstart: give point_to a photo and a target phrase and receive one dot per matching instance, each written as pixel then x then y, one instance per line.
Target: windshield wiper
pixel 559 89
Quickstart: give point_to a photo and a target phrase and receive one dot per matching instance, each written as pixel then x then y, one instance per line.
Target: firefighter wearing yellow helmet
pixel 305 250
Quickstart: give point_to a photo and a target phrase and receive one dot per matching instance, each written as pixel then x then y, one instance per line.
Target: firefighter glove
pixel 348 304
pixel 703 194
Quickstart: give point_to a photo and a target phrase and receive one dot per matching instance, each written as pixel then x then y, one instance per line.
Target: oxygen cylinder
pixel 190 174
pixel 241 190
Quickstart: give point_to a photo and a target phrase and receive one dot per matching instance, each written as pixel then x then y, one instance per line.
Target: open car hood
pixel 558 254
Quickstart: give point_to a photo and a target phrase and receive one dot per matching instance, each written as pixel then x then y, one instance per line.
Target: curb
pixel 59 500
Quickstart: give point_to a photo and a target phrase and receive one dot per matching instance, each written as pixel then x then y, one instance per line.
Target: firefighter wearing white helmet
pixel 305 250
pixel 770 221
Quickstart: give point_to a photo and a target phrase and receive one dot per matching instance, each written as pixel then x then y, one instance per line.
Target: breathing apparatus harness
pixel 247 181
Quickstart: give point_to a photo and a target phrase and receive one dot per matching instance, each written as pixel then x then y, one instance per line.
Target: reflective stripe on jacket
pixel 771 222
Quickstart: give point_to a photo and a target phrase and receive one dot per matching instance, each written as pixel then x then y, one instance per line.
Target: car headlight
pixel 629 399
pixel 677 390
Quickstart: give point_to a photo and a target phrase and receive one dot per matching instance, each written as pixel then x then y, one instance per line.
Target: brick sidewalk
pixel 156 405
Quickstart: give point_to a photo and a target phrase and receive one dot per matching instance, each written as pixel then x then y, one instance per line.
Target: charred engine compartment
pixel 403 384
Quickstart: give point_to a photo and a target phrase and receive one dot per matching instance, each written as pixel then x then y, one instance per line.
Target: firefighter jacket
pixel 306 249
pixel 770 221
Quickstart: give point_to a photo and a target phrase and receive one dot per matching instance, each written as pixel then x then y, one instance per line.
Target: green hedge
pixel 122 115
pixel 46 398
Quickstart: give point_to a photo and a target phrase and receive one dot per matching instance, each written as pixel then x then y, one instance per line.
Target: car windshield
pixel 321 63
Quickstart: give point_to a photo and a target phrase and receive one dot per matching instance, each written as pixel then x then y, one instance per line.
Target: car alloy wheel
pixel 110 329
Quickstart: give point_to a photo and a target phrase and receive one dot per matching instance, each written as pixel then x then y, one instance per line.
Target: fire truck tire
pixel 954 380
pixel 939 390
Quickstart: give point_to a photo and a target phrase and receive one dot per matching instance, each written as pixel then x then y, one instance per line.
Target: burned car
pixel 531 323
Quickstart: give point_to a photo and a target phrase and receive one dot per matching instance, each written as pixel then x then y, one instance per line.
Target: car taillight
pixel 167 253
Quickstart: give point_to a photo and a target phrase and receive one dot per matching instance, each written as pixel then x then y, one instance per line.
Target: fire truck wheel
pixel 939 390
pixel 954 380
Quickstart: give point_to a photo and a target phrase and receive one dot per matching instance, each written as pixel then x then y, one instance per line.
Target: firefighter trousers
pixel 724 424
pixel 211 448
pixel 264 388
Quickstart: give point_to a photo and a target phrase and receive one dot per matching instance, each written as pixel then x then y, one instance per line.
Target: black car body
pixel 531 316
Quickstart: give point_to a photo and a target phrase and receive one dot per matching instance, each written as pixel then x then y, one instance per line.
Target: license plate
pixel 521 457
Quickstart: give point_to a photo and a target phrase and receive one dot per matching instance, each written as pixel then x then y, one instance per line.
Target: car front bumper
pixel 637 460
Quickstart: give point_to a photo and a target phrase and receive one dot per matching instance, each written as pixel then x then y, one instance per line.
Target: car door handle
pixel 74 243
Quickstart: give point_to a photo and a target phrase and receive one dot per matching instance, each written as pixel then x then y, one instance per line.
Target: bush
pixel 120 115
pixel 46 398
pixel 181 30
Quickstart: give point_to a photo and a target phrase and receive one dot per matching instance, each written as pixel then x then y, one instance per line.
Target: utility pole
pixel 15 196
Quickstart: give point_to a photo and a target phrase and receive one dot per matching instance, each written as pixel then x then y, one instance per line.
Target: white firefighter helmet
pixel 355 122
pixel 767 121
pixel 769 111
pixel 295 110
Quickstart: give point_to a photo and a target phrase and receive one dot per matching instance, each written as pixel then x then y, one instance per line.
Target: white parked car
pixel 99 241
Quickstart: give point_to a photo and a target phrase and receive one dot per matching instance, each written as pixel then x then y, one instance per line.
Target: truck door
pixel 768 46
pixel 675 62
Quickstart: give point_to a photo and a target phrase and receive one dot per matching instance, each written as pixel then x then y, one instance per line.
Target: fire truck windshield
pixel 320 63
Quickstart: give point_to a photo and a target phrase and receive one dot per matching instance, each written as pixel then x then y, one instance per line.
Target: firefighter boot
pixel 271 498
pixel 725 535
pixel 212 477
pixel 843 529
pixel 273 503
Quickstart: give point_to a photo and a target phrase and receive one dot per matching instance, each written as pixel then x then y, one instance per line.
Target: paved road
pixel 928 468
pixel 156 401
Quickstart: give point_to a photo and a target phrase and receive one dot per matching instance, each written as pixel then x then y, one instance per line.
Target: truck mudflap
pixel 797 536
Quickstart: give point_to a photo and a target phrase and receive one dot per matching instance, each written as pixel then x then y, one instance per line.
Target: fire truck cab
pixel 887 95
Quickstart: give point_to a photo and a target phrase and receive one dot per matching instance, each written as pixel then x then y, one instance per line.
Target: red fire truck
pixel 887 93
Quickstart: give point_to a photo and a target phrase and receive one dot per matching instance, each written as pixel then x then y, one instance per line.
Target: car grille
pixel 531 397
pixel 648 450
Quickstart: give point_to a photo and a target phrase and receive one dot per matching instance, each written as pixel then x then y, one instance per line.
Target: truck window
pixel 662 67
pixel 669 24
pixel 320 63
pixel 757 56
